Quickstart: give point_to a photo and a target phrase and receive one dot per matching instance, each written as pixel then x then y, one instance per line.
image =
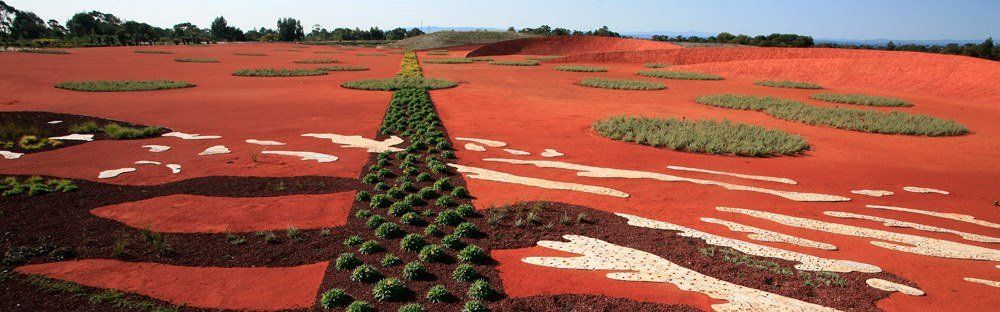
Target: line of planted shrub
pixel 702 136
pixel 399 83
pixel 44 51
pixel 683 75
pixel 655 65
pixel 123 85
pixel 410 66
pixel 861 99
pixel 622 84
pixel 841 118
pixel 117 131
pixel 344 68
pixel 196 60
pixel 317 61
pixel 457 60
pixel 278 72
pixel 515 63
pixel 788 84
pixel 581 68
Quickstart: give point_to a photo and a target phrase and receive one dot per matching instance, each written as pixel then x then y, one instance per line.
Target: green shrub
pixel 424 177
pixel 370 178
pixel 452 241
pixel 347 261
pixel 370 247
pixel 365 273
pixel 467 229
pixel 445 201
pixel 411 218
pixel 352 241
pixel 390 289
pixel 427 193
pixel 414 271
pixel 432 230
pixel 655 65
pixel 481 59
pixel 360 306
pixel 482 290
pixel 443 184
pixel 432 253
pixel 196 60
pixel 702 136
pixel 448 217
pixel 583 69
pixel 363 196
pixel 397 83
pixel 438 52
pixel 123 85
pixel 861 99
pixel 317 61
pixel 391 260
pixel 380 201
pixel 400 208
pixel 622 84
pixel 278 72
pixel 679 75
pixel 335 298
pixel 30 142
pixel 466 210
pixel 412 242
pixel 516 63
pixel 460 192
pixel 438 293
pixel 343 68
pixel 459 60
pixel 841 118
pixel 363 214
pixel 249 54
pixel 473 254
pixel 788 84
pixel 119 132
pixel 382 186
pixel 542 58
pixel 413 307
pixel 465 273
pixel 375 221
pixel 388 230
pixel 44 51
pixel 34 186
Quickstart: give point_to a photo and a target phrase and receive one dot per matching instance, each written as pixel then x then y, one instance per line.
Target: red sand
pixel 267 289
pixel 202 214
pixel 568 45
pixel 533 108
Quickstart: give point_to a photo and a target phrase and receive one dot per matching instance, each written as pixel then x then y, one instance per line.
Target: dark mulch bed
pixel 588 303
pixel 19 293
pixel 684 251
pixel 37 122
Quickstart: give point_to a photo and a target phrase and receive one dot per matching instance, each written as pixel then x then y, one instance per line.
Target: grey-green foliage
pixel 622 84
pixel 670 74
pixel 788 84
pixel 861 99
pixel 702 136
pixel 399 83
pixel 581 68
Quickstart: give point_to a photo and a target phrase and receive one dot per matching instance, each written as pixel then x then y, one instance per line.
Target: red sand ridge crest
pixel 568 45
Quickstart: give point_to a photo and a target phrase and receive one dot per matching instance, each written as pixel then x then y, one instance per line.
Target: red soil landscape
pixel 567 45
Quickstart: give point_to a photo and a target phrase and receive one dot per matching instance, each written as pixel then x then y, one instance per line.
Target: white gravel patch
pixel 318 157
pixel 873 193
pixel 174 168
pixel 55 122
pixel 357 141
pixel 157 148
pixel 265 143
pixel 549 153
pixel 490 175
pixel 516 152
pixel 885 285
pixel 474 147
pixel 900 242
pixel 806 262
pixel 922 227
pixel 639 266
pixel 189 136
pixel 489 143
pixel 600 172
pixel 10 155
pixel 215 150
pixel 74 137
pixel 763 235
pixel 946 215
pixel 916 189
pixel 738 175
pixel 148 162
pixel 107 174
pixel 982 281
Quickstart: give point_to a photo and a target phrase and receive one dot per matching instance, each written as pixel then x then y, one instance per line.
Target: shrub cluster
pixel 788 84
pixel 153 52
pixel 622 84
pixel 679 75
pixel 35 185
pixel 410 66
pixel 701 136
pixel 317 61
pixel 861 99
pixel 123 85
pixel 196 60
pixel 117 131
pixel 515 63
pixel 344 68
pixel 399 83
pixel 281 72
pixel 579 68
pixel 458 60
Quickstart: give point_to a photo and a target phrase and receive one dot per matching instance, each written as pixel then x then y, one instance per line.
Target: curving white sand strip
pixel 738 175
pixel 189 136
pixel 900 242
pixel 10 155
pixel 107 174
pixel 873 193
pixel 489 143
pixel 952 216
pixel 549 153
pixel 215 150
pixel 174 168
pixel 490 175
pixel 148 162
pixel 916 189
pixel 639 266
pixel 157 148
pixel 474 147
pixel 265 143
pixel 55 122
pixel 922 227
pixel 982 281
pixel 357 141
pixel 516 152
pixel 806 262
pixel 763 235
pixel 599 172
pixel 885 285
pixel 318 157
pixel 74 137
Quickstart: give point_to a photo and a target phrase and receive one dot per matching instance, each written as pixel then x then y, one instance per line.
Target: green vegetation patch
pixel 249 54
pixel 410 67
pixel 317 61
pixel 153 52
pixel 44 51
pixel 123 85
pixel 542 58
pixel 841 118
pixel 481 59
pixel 33 186
pixel 117 131
pixel 196 60
pixel 788 84
pixel 683 75
pixel 580 68
pixel 457 60
pixel 399 83
pixel 861 99
pixel 438 53
pixel 515 63
pixel 344 68
pixel 655 65
pixel 702 136
pixel 278 72
pixel 622 84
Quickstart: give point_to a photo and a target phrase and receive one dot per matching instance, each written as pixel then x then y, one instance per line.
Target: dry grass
pixel 515 63
pixel 123 85
pixel 788 84
pixel 679 75
pixel 622 84
pixel 249 54
pixel 542 58
pixel 582 69
pixel 196 60
pixel 655 65
pixel 861 99
pixel 278 72
pixel 703 136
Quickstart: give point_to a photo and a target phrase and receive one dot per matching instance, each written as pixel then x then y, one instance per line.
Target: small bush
pixel 655 65
pixel 390 260
pixel 397 83
pixel 460 192
pixel 414 271
pixel 466 210
pixel 432 253
pixel 460 60
pixel 679 75
pixel 400 208
pixel 432 230
pixel 445 201
pixel 481 59
pixel 702 136
pixel 438 293
pixel 390 289
pixel 622 84
pixel 317 61
pixel 411 218
pixel 360 306
pixel 788 84
pixel 473 254
pixel 465 273
pixel 375 221
pixel 442 185
pixel 516 63
pixel 467 229
pixel 448 217
pixel 347 261
pixel 44 51
pixel 413 307
pixel 412 242
pixel 278 72
pixel 123 85
pixel 452 241
pixel 425 177
pixel 335 298
pixel 352 241
pixel 380 201
pixel 343 68
pixel 365 274
pixel 196 60
pixel 370 247
pixel 582 69
pixel 482 290
pixel 119 132
pixel 363 214
pixel 388 230
pixel 861 99
pixel 363 196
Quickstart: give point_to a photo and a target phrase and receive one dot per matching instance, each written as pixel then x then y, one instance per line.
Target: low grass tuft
pixel 788 84
pixel 438 53
pixel 344 68
pixel 542 58
pixel 153 52
pixel 249 54
pixel 123 85
pixel 398 83
pixel 655 65
pixel 861 99
pixel 682 75
pixel 44 51
pixel 282 72
pixel 317 61
pixel 457 60
pixel 481 59
pixel 841 118
pixel 196 60
pixel 622 84
pixel 515 63
pixel 580 68
pixel 702 136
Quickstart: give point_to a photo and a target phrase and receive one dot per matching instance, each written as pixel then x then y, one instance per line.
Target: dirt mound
pixel 445 39
pixel 569 45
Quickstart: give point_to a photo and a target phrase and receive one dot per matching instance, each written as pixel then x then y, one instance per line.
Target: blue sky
pixel 848 19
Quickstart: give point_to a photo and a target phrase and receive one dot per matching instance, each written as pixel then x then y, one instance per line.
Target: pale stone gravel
pixel 174 168
pixel 215 150
pixel 148 162
pixel 10 155
pixel 922 227
pixel 107 174
pixel 490 175
pixel 550 153
pixel 516 152
pixel 738 175
pixel 490 143
pixel 982 281
pixel 946 215
pixel 885 285
pixel 74 137
pixel 189 136
pixel 357 141
pixel 157 148
pixel 763 235
pixel 265 143
pixel 318 157
pixel 474 147
pixel 55 122
pixel 917 189
pixel 873 193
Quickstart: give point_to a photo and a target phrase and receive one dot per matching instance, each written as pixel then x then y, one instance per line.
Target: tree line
pixel 772 40
pixel 546 30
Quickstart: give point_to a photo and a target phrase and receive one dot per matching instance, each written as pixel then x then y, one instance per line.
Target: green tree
pixel 414 32
pixel 890 46
pixel 220 29
pixel 396 34
pixel 56 30
pixel 6 19
pixel 27 25
pixel 986 49
pixel 290 29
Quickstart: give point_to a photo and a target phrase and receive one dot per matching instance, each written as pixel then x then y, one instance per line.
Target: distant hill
pixel 447 38
pixel 882 42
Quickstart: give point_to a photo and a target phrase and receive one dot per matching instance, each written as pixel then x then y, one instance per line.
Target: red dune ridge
pixel 568 45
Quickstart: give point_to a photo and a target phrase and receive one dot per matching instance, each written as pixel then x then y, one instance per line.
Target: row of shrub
pixel 702 136
pixel 123 85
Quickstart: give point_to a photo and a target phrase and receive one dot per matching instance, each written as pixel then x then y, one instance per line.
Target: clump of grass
pixel 861 99
pixel 622 84
pixel 542 58
pixel 583 69
pixel 679 75
pixel 249 54
pixel 344 68
pixel 153 52
pixel 117 131
pixel 788 84
pixel 282 72
pixel 317 61
pixel 123 85
pixel 841 118
pixel 44 51
pixel 34 186
pixel 702 136
pixel 196 60
pixel 655 65
pixel 481 59
pixel 398 83
pixel 438 53
pixel 457 60
pixel 515 63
